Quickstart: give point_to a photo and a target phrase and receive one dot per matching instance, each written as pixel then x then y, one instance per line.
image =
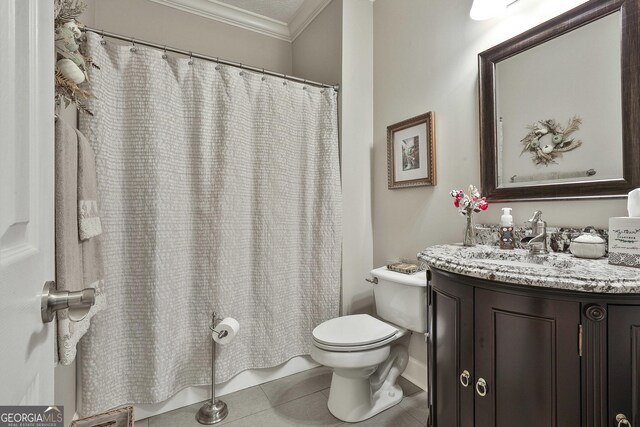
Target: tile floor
pixel 296 400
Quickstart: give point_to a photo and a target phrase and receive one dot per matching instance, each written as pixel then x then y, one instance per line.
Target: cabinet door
pixel 624 363
pixel 451 352
pixel 526 351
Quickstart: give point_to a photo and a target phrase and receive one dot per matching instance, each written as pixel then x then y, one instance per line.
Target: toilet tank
pixel 401 298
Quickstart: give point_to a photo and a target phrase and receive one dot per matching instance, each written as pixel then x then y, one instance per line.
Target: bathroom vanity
pixel 519 339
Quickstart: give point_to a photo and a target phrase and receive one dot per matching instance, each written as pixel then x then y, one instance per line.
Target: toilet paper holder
pixel 215 320
pixel 214 410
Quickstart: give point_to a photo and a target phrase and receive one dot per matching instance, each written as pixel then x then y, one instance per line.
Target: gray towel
pixel 78 262
pixel 88 220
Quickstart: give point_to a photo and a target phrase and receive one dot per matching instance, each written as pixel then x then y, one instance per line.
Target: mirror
pixel 560 107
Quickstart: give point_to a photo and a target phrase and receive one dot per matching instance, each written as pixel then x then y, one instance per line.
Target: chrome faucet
pixel 538 244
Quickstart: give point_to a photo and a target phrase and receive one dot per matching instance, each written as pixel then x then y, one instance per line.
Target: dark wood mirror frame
pixel 630 68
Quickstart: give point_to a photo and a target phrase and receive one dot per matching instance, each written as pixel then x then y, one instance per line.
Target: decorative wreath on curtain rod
pixel 71 75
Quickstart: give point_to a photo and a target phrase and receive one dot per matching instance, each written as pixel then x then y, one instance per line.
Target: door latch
pixel 78 302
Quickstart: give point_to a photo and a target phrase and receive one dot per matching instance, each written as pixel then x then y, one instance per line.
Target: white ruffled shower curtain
pixel 218 190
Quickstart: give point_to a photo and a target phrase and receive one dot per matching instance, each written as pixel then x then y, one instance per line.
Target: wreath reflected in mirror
pixel 547 140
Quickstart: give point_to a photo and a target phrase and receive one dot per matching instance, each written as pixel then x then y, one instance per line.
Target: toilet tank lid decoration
pixel 418 278
pixel 469 202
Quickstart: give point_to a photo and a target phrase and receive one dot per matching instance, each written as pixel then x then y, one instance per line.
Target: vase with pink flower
pixel 468 203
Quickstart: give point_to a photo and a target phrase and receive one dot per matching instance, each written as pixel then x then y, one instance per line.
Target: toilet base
pixel 351 400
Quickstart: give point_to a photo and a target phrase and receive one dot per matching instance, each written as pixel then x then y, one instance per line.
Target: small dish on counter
pixel 588 245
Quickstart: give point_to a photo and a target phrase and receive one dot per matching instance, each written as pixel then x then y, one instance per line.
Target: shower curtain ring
pixel 284 82
pixel 190 58
pixel 102 40
pixel 241 69
pixel 164 53
pixel 217 63
pixel 133 45
pixel 263 76
pixel 305 84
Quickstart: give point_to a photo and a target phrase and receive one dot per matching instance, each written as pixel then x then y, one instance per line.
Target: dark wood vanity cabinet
pixel 452 347
pixel 507 355
pixel 526 351
pixel 623 333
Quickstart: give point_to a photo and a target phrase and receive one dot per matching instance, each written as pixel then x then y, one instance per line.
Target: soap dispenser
pixel 507 238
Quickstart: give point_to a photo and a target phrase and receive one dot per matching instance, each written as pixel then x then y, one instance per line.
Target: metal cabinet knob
pixel 622 420
pixel 481 387
pixel 79 301
pixel 465 378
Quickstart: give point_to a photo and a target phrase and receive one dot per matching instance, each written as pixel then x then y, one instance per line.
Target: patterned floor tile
pixel 310 410
pixel 241 404
pixel 395 416
pixel 294 386
pixel 297 400
pixel 408 387
pixel 418 406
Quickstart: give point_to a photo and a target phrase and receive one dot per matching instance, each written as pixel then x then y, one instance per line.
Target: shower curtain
pixel 219 189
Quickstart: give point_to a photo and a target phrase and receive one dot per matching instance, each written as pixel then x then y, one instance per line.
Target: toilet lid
pixel 353 330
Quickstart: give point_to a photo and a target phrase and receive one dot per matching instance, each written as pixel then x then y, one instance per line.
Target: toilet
pixel 361 351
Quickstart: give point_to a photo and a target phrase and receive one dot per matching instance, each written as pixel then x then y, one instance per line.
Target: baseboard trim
pixel 416 372
pixel 243 380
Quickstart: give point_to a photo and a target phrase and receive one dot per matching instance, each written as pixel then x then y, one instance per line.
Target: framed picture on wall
pixel 411 152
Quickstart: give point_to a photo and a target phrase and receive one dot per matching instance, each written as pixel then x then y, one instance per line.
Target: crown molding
pixel 228 14
pixel 305 15
pixel 231 15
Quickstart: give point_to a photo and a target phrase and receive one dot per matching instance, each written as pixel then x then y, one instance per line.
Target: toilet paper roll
pixel 633 203
pixel 229 325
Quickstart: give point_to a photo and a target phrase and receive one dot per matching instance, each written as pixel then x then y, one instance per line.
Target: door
pixel 451 352
pixel 527 361
pixel 26 200
pixel 624 363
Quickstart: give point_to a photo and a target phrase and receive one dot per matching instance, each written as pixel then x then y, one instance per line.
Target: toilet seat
pixel 356 332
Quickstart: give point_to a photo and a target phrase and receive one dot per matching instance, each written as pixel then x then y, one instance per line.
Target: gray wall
pixel 357 145
pixel 425 59
pixel 317 51
pixel 338 48
pixel 161 24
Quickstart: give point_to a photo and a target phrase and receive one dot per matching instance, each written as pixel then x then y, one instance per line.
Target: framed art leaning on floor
pixel 411 152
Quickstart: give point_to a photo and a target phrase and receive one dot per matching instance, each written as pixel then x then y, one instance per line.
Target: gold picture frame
pixel 411 152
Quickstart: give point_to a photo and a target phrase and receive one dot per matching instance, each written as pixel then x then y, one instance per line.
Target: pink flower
pixel 469 202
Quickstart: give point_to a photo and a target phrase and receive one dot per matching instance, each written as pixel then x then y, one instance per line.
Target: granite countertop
pixel 555 270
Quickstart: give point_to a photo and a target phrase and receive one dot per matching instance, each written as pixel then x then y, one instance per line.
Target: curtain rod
pixel 239 65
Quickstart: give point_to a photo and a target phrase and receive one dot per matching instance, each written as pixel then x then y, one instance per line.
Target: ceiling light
pixel 485 9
